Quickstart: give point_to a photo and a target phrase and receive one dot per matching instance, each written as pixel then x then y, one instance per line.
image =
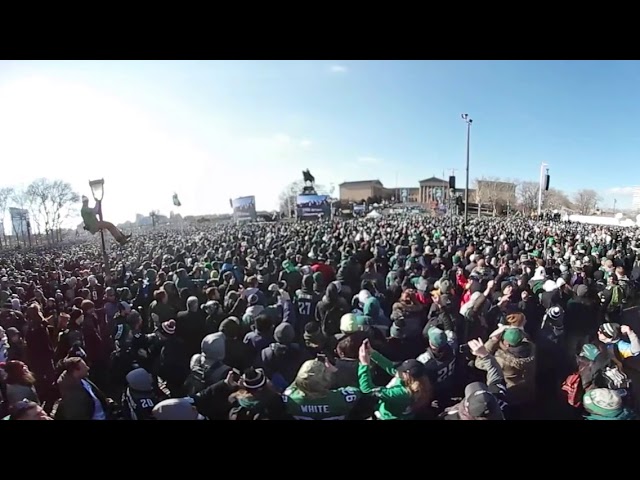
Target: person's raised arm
pixel 487 362
pixel 365 381
pixel 489 289
pixel 633 339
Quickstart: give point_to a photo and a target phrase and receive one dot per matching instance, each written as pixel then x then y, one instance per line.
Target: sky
pixel 214 130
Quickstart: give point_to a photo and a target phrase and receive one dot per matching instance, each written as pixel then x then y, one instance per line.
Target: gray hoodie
pixel 213 350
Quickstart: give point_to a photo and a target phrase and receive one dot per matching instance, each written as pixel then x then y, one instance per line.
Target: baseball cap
pixel 437 337
pixel 480 403
pixel 412 367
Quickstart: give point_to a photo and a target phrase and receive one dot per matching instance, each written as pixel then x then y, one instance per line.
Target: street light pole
pixel 97 190
pixel 541 187
pixel 468 121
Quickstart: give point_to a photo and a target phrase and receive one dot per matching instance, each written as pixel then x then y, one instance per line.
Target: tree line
pixel 498 192
pixel 48 202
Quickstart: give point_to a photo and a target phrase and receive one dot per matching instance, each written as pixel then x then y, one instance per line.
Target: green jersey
pixel 336 405
pixel 89 219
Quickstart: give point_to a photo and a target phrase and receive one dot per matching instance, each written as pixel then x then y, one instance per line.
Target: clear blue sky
pixel 153 128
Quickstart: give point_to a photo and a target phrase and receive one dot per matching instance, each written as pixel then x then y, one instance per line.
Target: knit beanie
pixel 513 336
pixel 603 402
pixel 175 409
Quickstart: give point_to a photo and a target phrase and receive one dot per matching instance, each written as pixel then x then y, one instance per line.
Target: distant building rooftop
pixel 360 183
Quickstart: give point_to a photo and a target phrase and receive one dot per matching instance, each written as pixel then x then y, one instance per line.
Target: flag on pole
pixel 176 200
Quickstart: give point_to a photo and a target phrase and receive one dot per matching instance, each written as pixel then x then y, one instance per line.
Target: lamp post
pixel 97 190
pixel 468 121
pixel 541 187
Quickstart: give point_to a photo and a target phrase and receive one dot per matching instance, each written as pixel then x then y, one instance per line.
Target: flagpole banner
pixel 176 200
pixel 313 207
pixel 244 208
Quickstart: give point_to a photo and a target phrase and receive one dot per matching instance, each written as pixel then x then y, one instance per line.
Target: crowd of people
pixel 397 318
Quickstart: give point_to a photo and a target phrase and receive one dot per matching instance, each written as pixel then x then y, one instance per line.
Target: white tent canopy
pixel 374 214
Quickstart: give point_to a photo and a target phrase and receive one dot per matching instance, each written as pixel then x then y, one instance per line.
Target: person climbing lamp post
pixel 97 190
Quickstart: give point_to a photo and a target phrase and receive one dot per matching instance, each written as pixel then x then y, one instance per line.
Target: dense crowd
pixel 407 317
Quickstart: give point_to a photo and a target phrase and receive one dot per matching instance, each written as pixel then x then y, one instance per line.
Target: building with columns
pixel 433 190
pixel 431 193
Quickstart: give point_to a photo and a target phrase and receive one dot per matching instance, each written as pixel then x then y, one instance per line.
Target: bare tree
pixel 586 201
pixel 496 192
pixel 52 202
pixel 555 199
pixel 287 198
pixel 528 196
pixel 38 195
pixel 480 194
pixel 63 199
pixel 33 207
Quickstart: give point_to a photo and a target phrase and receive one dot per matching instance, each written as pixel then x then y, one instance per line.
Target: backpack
pixel 617 297
pixel 574 390
pixel 615 379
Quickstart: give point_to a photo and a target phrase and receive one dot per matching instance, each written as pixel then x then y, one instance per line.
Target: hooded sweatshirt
pixel 330 310
pixel 282 359
pixel 291 275
pixel 209 363
pixel 372 310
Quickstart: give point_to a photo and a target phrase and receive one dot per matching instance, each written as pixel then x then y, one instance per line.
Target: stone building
pixel 361 190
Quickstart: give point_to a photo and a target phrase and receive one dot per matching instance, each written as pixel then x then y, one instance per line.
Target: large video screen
pixel 312 207
pixel 244 208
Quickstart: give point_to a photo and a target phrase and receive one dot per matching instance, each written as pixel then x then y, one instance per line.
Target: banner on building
pixel 244 208
pixel 313 207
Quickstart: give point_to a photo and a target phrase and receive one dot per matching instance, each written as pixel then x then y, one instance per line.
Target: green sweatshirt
pixel 394 400
pixel 336 405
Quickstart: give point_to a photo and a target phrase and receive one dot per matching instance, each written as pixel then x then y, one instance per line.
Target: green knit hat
pixel 537 287
pixel 513 336
pixel 603 402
